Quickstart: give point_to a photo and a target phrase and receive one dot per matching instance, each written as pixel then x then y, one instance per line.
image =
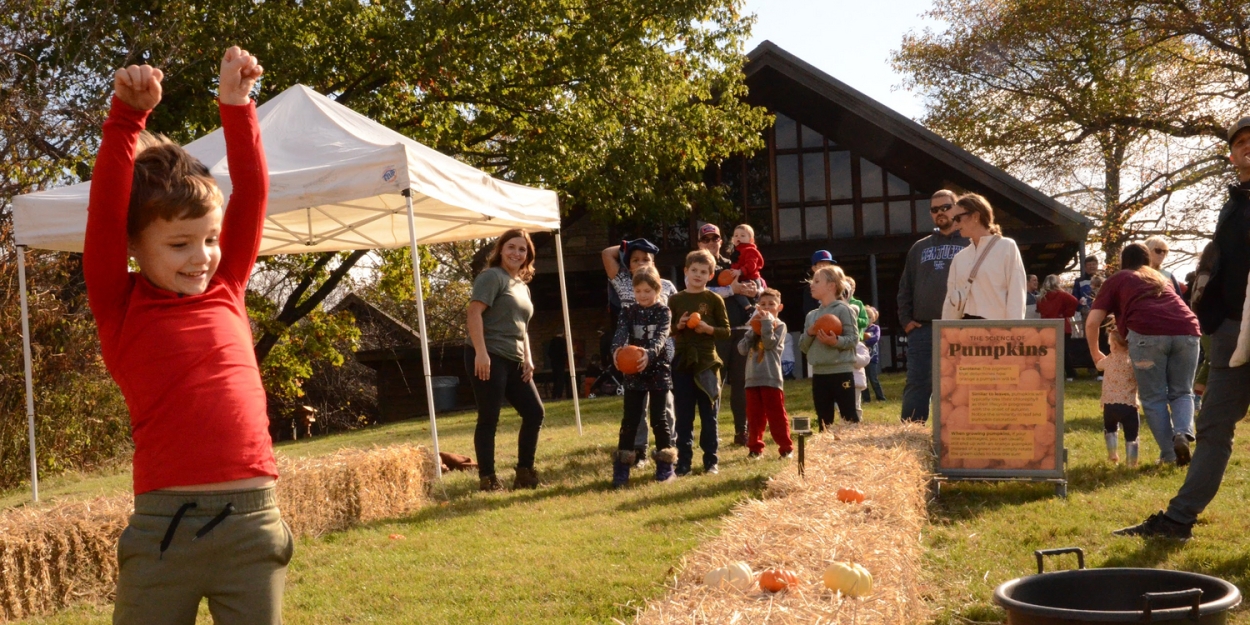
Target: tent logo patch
pixel 388 175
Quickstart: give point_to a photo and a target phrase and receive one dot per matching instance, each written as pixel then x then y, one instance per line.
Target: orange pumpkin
pixel 694 320
pixel 828 323
pixel 725 278
pixel 629 359
pixel 777 580
pixel 851 495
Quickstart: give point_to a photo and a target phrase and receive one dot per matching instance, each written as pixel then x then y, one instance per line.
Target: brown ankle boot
pixel 490 483
pixel 525 478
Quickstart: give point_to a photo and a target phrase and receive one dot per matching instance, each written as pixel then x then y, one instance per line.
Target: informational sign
pixel 998 399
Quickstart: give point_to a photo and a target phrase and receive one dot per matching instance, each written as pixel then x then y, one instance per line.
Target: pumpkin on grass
pixel 777 580
pixel 737 575
pixel 848 578
pixel 851 495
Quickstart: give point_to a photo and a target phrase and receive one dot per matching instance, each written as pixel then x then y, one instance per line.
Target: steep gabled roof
pixel 786 84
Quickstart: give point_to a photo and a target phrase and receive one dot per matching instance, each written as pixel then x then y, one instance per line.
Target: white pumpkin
pixel 737 575
pixel 849 578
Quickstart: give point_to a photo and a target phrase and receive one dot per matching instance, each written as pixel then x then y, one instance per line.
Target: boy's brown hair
pixel 168 184
pixel 701 257
pixel 773 293
pixel 648 276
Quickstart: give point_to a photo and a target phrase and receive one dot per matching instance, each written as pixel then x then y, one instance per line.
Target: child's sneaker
pixel 712 470
pixel 755 455
pixel 640 458
pixel 787 455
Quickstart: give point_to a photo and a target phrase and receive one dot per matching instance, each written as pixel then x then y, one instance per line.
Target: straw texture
pixel 55 555
pixel 800 525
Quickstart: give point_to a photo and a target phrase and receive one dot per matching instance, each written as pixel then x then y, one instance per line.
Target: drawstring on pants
pixel 182 510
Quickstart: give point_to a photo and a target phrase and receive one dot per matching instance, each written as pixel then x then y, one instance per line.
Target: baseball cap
pixel 823 256
pixel 707 229
pixel 1237 127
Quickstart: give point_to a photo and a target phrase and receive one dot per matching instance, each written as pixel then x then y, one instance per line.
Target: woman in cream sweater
pixel 998 290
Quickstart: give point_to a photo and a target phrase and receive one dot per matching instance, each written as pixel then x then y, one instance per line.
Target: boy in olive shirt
pixel 696 367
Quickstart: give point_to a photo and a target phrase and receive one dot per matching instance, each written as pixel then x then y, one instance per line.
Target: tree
pixel 1077 96
pixel 618 106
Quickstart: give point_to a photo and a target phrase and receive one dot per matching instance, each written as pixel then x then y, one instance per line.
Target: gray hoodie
pixel 764 371
pixel 922 288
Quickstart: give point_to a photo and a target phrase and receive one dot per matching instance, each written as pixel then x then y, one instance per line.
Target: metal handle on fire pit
pixel 1147 598
pixel 1080 556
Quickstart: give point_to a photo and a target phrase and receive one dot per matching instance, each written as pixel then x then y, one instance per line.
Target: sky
pixel 850 40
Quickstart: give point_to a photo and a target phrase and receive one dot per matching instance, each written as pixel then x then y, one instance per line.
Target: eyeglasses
pixel 933 210
pixel 1160 251
pixel 709 239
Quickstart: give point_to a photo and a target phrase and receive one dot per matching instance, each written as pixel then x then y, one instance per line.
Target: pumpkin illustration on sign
pixel 694 320
pixel 777 580
pixel 828 323
pixel 629 359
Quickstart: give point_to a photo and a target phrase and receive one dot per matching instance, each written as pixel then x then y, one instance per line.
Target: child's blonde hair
pixel 168 183
pixel 1113 332
pixel 832 274
pixel 748 228
pixel 873 315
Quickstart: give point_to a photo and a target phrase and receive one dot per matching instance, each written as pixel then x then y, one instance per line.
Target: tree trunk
pixel 294 309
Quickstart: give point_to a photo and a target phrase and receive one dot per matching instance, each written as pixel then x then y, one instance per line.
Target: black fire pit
pixel 1114 595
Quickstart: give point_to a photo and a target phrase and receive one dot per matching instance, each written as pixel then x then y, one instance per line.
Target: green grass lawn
pixel 577 552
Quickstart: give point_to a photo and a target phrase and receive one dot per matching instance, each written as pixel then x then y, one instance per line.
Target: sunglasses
pixel 709 239
pixel 940 208
pixel 959 217
pixel 1160 251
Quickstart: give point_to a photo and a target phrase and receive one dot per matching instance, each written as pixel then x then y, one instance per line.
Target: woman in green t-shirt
pixel 498 357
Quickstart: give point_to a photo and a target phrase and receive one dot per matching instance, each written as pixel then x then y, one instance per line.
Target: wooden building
pixel 840 172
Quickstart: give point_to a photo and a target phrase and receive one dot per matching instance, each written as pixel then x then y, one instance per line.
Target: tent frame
pixel 425 343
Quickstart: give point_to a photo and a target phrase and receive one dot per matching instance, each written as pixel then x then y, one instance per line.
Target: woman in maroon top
pixel 1162 336
pixel 1056 303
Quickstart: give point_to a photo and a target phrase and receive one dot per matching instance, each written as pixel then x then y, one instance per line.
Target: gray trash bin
pixel 444 392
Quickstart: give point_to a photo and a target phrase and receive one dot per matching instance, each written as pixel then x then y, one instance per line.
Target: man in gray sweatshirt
pixel 921 291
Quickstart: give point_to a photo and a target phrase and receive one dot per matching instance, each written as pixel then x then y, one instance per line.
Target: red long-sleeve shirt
pixel 184 363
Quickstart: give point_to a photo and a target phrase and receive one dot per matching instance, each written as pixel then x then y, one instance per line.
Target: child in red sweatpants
pixel 766 399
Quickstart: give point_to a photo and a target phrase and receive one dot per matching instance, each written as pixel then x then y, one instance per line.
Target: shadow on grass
pixel 962 501
pixel 1091 477
pixel 1149 554
pixel 699 487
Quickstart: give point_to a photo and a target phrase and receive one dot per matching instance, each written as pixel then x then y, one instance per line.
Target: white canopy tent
pixel 337 181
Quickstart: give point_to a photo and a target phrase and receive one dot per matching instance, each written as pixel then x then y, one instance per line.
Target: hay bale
pixel 52 556
pixel 801 526
pixel 352 486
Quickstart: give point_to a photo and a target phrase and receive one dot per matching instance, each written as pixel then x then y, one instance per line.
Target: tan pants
pixel 231 547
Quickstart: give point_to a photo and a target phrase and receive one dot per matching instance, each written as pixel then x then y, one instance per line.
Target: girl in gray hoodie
pixel 832 356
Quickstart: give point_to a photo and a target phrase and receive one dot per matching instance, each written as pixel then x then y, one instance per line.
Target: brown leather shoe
pixel 525 478
pixel 491 484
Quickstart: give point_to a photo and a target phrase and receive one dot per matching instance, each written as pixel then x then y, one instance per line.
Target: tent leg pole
pixel 425 340
pixel 30 386
pixel 568 335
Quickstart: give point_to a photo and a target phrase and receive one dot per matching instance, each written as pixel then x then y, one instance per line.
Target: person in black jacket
pixel 1219 299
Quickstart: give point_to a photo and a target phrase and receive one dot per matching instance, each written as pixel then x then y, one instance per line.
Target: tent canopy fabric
pixel 336 180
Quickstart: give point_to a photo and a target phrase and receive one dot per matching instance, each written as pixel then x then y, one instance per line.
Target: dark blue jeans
pixel 919 374
pixel 686 396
